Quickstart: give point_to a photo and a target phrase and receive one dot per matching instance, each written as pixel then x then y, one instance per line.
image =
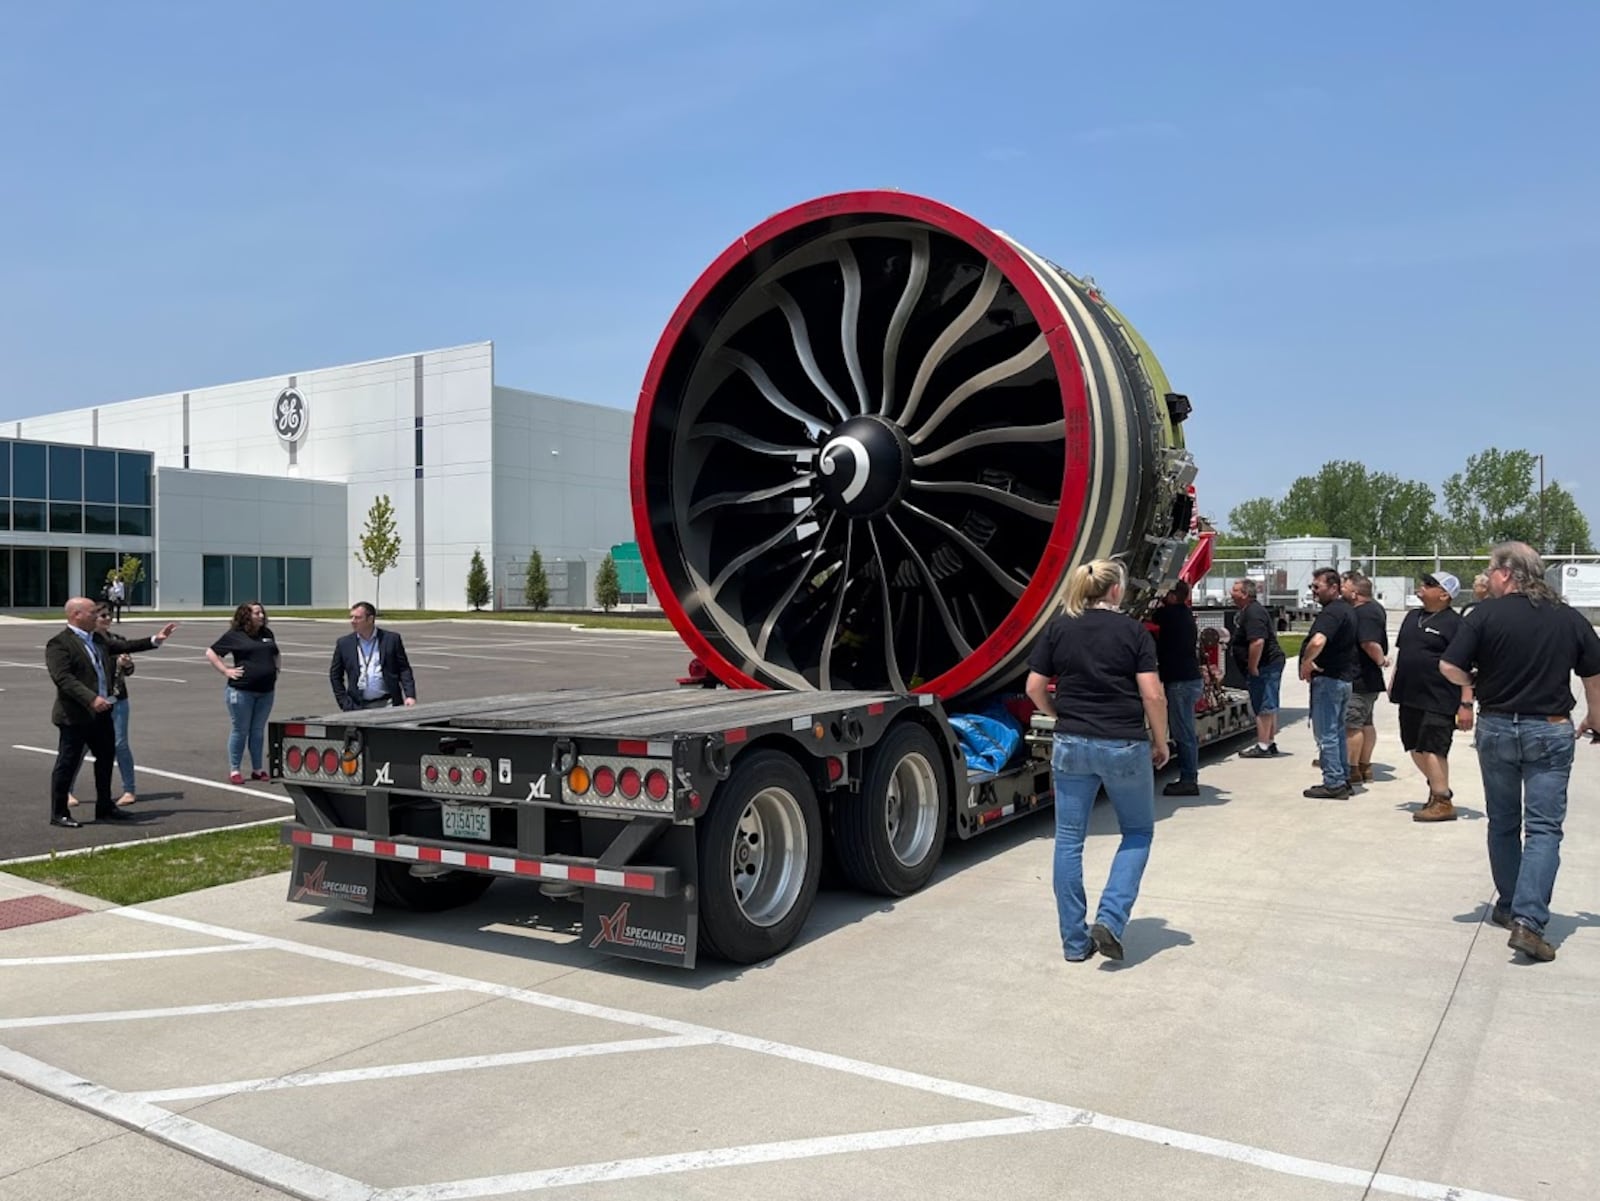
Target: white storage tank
pixel 1290 563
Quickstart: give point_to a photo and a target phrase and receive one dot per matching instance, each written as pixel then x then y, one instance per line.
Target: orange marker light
pixel 578 779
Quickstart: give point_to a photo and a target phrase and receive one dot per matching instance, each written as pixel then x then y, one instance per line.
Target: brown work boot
pixel 1530 942
pixel 1366 772
pixel 1438 809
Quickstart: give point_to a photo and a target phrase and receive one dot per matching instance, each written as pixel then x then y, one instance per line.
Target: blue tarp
pixel 990 737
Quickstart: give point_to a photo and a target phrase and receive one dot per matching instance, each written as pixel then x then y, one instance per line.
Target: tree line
pixel 1495 498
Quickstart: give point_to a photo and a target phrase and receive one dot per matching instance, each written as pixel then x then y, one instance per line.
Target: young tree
pixel 477 582
pixel 535 584
pixel 380 544
pixel 132 573
pixel 607 586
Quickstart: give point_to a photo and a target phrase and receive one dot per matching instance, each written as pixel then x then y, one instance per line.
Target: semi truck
pixel 873 441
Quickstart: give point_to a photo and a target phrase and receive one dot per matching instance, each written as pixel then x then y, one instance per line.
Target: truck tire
pixel 760 850
pixel 397 887
pixel 889 836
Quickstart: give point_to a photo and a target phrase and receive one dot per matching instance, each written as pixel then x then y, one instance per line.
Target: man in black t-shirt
pixel 1260 660
pixel 1431 707
pixel 1525 644
pixel 1328 661
pixel 1178 661
pixel 1372 641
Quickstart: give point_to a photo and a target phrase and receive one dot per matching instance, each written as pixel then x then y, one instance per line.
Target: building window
pixel 58 579
pixel 28 470
pixel 5 513
pixel 299 582
pixel 5 468
pixel 135 522
pixel 133 478
pixel 214 590
pixel 27 515
pixel 5 578
pixel 246 579
pixel 66 473
pixel 272 581
pixel 28 578
pixel 66 519
pixel 99 476
pixel 99 519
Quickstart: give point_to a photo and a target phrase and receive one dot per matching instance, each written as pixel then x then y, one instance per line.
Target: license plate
pixel 466 821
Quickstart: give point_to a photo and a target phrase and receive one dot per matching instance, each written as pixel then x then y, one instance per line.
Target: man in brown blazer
pixel 80 663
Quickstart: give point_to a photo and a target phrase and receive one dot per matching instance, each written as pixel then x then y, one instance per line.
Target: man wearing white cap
pixel 1431 707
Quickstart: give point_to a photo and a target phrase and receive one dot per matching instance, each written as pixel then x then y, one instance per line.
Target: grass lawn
pixel 591 621
pixel 1291 644
pixel 128 875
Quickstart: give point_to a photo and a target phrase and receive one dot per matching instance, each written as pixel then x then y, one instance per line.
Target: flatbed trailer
pixel 685 820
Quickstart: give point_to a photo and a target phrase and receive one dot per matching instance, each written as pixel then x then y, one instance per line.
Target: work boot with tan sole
pixel 1438 809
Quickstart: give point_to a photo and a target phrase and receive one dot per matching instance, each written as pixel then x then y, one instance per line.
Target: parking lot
pixel 179 724
pixel 1313 1006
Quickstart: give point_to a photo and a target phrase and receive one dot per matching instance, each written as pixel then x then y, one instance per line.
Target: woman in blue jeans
pixel 252 679
pixel 1111 731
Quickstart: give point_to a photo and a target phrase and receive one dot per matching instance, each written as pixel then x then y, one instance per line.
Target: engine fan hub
pixel 864 467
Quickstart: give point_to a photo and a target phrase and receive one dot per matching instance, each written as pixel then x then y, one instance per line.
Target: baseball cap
pixel 1442 579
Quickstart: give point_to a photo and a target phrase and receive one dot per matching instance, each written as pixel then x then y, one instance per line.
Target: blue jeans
pixel 1329 701
pixel 1080 766
pixel 248 711
pixel 119 720
pixel 1526 762
pixel 1182 697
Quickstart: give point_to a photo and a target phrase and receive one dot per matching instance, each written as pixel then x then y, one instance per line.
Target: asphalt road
pixel 179 724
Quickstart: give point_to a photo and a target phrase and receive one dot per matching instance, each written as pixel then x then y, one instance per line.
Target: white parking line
pixel 172 775
pixel 182 1011
pixel 429 1067
pixel 118 956
pixel 1038 1114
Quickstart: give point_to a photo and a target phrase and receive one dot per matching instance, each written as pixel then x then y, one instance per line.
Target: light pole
pixel 1541 504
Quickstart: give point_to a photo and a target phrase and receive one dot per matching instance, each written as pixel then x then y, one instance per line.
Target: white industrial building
pixel 262 488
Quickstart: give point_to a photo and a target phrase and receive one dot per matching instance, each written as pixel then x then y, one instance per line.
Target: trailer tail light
pixel 629 784
pixel 292 758
pixel 325 762
pixel 330 761
pixel 835 769
pixel 456 775
pixel 619 783
pixel 313 760
pixel 605 781
pixel 350 764
pixel 578 779
pixel 480 777
pixel 656 785
pixel 430 774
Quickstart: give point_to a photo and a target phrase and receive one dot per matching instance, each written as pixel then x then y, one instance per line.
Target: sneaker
pixel 1085 957
pixel 1182 788
pixel 1523 938
pixel 1321 792
pixel 1438 809
pixel 235 778
pixel 1256 751
pixel 259 775
pixel 1106 942
pixel 1500 916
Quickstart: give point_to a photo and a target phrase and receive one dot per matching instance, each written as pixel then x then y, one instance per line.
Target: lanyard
pixel 366 658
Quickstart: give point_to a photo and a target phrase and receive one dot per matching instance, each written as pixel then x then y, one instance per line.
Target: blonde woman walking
pixel 1111 730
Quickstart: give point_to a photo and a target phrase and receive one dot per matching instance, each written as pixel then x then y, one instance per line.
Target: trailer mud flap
pixel 332 880
pixel 654 929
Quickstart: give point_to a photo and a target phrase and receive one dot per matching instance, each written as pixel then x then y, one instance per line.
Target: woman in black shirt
pixel 251 683
pixel 1111 730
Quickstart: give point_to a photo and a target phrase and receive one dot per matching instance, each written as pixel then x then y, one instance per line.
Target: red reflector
pixel 330 761
pixel 431 774
pixel 628 783
pixel 835 769
pixel 479 776
pixel 605 781
pixel 657 785
pixel 292 758
pixel 313 761
pixel 733 736
pixel 696 802
pixel 633 748
pixel 455 775
pixel 294 730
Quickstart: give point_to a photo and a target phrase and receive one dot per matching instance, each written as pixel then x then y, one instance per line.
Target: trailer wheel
pixel 760 858
pixel 889 836
pixel 397 887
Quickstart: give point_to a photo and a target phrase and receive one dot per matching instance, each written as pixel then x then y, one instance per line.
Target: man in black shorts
pixel 1431 707
pixel 1260 660
pixel 1372 637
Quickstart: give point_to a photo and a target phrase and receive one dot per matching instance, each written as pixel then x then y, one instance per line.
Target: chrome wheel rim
pixel 768 859
pixel 911 810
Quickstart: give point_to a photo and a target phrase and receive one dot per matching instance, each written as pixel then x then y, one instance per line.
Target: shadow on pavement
pixel 1144 938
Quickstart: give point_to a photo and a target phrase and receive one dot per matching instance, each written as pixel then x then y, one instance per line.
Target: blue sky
pixel 1359 231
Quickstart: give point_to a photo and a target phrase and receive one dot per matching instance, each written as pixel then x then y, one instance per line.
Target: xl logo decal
pixel 383 776
pixel 858 452
pixel 538 790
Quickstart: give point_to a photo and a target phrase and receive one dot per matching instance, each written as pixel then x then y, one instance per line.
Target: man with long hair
pixel 1525 644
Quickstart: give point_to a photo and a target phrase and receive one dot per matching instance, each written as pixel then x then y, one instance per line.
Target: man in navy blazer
pixel 370 669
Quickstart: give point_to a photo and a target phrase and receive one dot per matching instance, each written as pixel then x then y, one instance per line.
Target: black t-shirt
pixel 1525 654
pixel 1252 623
pixel 1095 659
pixel 257 654
pixel 1337 624
pixel 1177 643
pixel 1421 642
pixel 1372 625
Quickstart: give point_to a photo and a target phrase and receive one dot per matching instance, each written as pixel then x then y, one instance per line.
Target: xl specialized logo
pixel 289 415
pixel 614 928
pixel 314 883
pixel 833 455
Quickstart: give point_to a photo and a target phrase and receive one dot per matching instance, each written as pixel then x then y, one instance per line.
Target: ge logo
pixel 289 415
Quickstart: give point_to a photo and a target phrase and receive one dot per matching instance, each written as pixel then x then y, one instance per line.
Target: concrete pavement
pixel 1313 1006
